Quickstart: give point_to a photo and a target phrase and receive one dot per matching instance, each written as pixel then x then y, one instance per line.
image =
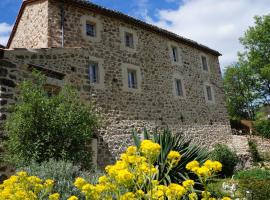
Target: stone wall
pixel 123 110
pixel 32 30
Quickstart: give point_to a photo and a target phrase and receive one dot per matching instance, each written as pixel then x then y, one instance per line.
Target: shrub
pixel 42 126
pixel 263 128
pixel 256 181
pixel 258 174
pixel 178 143
pixel 134 176
pixel 227 157
pixel 62 172
pixel 259 189
pixel 254 151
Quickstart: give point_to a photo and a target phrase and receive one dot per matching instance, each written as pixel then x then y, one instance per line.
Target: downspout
pixel 62 23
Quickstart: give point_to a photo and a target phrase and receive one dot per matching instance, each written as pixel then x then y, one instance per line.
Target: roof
pixel 2 46
pixel 116 14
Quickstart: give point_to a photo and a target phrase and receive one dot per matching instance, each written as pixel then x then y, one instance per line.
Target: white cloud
pixel 217 24
pixel 5 30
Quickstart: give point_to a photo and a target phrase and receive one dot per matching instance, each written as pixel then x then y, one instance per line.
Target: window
pixel 179 87
pixel 129 40
pixel 90 29
pixel 209 93
pixel 94 73
pixel 132 79
pixel 175 54
pixel 204 63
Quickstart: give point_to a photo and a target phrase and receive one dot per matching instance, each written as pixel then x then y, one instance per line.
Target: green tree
pixel 242 88
pixel 257 51
pixel 41 126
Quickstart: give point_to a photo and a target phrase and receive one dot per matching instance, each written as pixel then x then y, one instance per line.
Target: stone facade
pixel 32 29
pixel 152 104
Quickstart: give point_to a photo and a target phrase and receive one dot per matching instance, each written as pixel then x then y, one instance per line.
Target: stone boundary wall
pixel 122 111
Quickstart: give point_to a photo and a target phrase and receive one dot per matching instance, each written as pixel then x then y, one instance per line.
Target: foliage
pixel 254 151
pixel 227 157
pixel 133 177
pixel 256 174
pixel 62 172
pixel 22 186
pixel 259 189
pixel 256 42
pixel 42 127
pixel 216 188
pixel 242 88
pixel 178 143
pixel 262 128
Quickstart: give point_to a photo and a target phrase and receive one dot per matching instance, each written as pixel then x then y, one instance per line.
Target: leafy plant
pixel 256 173
pixel 227 157
pixel 263 128
pixel 41 126
pixel 62 172
pixel 254 151
pixel 170 142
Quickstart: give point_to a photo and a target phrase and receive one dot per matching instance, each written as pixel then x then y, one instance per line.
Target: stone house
pixel 138 74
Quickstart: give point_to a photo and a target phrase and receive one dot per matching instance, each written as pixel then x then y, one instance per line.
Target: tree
pixel 43 126
pixel 257 51
pixel 242 88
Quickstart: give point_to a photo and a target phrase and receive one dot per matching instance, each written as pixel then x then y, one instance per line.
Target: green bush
pixel 258 174
pixel 43 126
pixel 63 173
pixel 177 142
pixel 254 151
pixel 259 189
pixel 227 157
pixel 263 128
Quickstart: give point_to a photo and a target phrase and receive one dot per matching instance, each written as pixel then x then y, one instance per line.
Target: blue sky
pixel 214 23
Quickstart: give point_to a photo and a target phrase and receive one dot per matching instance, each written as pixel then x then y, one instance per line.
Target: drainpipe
pixel 62 23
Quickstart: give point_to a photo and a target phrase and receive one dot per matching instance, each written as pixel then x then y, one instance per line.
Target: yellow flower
pixel 193 164
pixel 79 182
pixel 214 166
pixel 203 171
pixel 174 157
pixel 150 149
pixel 192 196
pixel 73 198
pixel 22 173
pixel 226 198
pixel 175 191
pixel 103 179
pixel 54 196
pixel 128 196
pixel 48 183
pixel 188 183
pixel 131 150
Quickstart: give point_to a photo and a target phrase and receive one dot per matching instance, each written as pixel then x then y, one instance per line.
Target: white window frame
pixel 125 68
pixel 99 62
pixel 205 85
pixel 179 56
pixel 123 32
pixel 174 79
pixel 207 62
pixel 98 27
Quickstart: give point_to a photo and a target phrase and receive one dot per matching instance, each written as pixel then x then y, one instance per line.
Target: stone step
pixel 240 144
